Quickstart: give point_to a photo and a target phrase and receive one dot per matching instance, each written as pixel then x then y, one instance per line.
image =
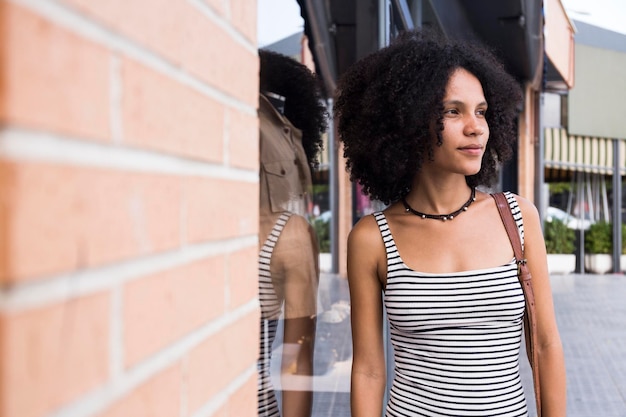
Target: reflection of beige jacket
pixel 285 183
pixel 285 177
pixel 295 268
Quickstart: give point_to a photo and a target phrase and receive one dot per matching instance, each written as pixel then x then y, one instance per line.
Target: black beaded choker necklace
pixel 442 217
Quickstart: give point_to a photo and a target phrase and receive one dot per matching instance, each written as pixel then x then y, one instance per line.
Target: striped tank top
pixel 271 308
pixel 456 337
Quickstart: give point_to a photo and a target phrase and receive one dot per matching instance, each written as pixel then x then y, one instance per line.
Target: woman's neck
pixel 437 197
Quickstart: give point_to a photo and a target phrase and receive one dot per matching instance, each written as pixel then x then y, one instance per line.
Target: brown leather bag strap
pixel 530 322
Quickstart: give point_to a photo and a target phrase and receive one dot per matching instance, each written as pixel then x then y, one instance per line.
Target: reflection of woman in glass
pixel 292 120
pixel 424 122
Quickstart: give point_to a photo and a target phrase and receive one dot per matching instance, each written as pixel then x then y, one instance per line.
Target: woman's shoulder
pixel 366 225
pixel 528 209
pixel 366 232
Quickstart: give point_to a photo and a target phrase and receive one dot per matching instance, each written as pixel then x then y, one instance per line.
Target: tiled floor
pixel 591 314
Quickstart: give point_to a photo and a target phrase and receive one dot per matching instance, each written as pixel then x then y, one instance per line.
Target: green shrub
pixel 322 230
pixel 559 238
pixel 599 238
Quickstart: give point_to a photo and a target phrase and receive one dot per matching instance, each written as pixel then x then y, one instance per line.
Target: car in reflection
pixel 325 216
pixel 569 220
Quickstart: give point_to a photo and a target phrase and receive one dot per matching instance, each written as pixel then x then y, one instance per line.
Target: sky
pixel 278 19
pixel 609 14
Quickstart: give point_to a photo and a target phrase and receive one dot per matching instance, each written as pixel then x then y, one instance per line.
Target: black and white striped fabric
pixel 456 337
pixel 271 306
pixel 270 313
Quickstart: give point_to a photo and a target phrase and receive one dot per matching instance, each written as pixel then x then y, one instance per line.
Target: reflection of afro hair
pixel 388 102
pixel 304 107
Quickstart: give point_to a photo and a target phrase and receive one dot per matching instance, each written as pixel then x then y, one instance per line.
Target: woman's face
pixel 465 130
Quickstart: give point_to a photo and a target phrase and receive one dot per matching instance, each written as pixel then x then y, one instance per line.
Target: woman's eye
pixel 451 111
pixel 481 112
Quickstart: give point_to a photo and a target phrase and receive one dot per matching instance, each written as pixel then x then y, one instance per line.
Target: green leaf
pixel 599 238
pixel 559 238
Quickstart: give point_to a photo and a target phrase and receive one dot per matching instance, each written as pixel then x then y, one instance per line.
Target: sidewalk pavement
pixel 591 315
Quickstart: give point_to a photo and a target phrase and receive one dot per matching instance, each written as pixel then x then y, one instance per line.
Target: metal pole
pixel 580 200
pixel 617 208
pixel 540 201
pixel 416 13
pixel 406 16
pixel 334 192
pixel 383 23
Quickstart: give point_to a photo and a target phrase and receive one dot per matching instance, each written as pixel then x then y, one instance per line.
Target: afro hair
pixel 304 106
pixel 388 102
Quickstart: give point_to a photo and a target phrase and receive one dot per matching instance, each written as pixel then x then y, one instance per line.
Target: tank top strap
pixel 268 300
pixel 517 214
pixel 272 238
pixel 390 244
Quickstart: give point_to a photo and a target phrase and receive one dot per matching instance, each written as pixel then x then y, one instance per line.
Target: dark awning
pixel 342 31
pixel 513 28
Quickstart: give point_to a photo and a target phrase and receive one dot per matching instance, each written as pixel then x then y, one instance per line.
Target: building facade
pixel 585 141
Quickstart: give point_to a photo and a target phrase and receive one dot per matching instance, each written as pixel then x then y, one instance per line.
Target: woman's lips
pixel 472 149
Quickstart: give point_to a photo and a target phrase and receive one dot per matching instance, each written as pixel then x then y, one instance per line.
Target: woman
pixel 423 123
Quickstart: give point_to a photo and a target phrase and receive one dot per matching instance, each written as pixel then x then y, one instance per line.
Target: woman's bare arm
pixel 365 250
pixel 550 350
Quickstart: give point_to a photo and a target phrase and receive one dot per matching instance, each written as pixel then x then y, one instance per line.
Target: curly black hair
pixel 304 105
pixel 388 102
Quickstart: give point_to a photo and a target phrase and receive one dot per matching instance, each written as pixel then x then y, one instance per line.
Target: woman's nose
pixel 475 126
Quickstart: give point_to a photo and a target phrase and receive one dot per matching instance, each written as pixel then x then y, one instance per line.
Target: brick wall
pixel 128 208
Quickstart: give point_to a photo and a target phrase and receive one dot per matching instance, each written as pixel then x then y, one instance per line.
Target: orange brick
pixel 159 27
pixel 61 218
pixel 243 276
pixel 161 308
pixel 185 36
pixel 243 402
pixel 51 78
pixel 220 209
pixel 158 397
pixel 41 208
pixel 243 74
pixel 130 214
pixel 243 16
pixel 243 140
pixel 222 411
pixel 216 362
pixel 53 355
pixel 161 114
pixel 5 225
pixel 217 5
pixel 206 44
